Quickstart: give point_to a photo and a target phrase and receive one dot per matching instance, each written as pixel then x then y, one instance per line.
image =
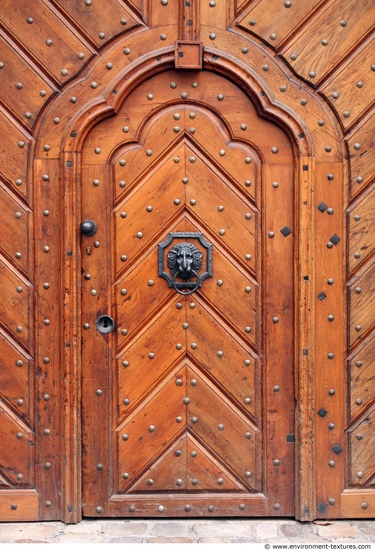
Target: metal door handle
pixel 88 228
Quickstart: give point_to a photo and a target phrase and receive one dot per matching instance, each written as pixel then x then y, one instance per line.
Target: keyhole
pixel 105 324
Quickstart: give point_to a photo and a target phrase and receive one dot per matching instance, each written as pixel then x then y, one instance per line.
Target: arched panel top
pixel 276 93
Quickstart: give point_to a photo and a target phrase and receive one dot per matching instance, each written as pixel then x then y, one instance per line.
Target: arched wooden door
pixel 188 385
pixel 86 86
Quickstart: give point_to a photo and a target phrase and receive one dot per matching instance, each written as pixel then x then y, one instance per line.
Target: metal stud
pixel 193 382
pixel 151 428
pixel 187 508
pixel 247 435
pixel 252 22
pixel 220 427
pixel 127 51
pixel 274 150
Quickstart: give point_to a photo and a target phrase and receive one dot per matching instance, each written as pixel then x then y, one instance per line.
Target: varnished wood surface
pixel 64 67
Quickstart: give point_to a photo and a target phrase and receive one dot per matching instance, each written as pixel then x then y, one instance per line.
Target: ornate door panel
pixel 75 79
pixel 180 398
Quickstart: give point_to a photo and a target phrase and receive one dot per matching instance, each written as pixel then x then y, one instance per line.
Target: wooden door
pixel 70 72
pixel 182 399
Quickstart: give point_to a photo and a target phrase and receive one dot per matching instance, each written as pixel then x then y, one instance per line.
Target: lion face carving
pixel 184 260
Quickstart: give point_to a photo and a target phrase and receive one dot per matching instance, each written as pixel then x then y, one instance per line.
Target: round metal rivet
pixel 247 329
pixel 46 397
pixel 358 401
pixel 122 184
pixel 328 148
pixel 357 255
pixel 194 419
pixel 124 291
pixel 127 51
pixel 359 475
pixel 330 281
pixel 48 503
pixel 343 23
pixel 194 345
pixel 186 400
pixel 178 346
pixel 93 292
pixel 276 462
pixel 312 74
pixel 274 150
pixel 19 435
pixel 178 453
pixel 252 22
pixel 161 508
pixel 177 202
pixel 212 36
pixel 101 35
pixel 46 286
pixel 276 389
pixel 273 36
pixel 331 463
pixel 125 437
pixel 139 234
pixel 330 211
pixel 247 435
pixel 358 328
pixel 364 505
pixel 247 362
pixel 360 84
pixel 243 127
pixel 19 289
pixel 275 320
pixel 220 427
pixel 19 402
pixel 194 481
pixel 247 289
pixel 30 20
pixel 148 209
pixel 220 97
pixel 176 160
pixel 222 232
pixel 56 120
pixel 222 152
pixel 275 184
pixel 149 152
pixel 150 96
pixel 187 507
pixel 99 509
pixel 276 506
pixel 193 382
pixel 125 363
pixel 346 114
pixel 331 392
pixel 330 355
pixel 86 326
pixel 329 245
pixel 19 363
pixel 330 177
pixel 19 329
pixel 220 282
pixel 151 428
pixel 124 258
pixel 99 393
pixel 247 256
pixel 13 506
pixel 359 179
pixel 185 180
pixel 46 249
pixel 47 432
pixel 358 363
pixel 324 42
pixel 125 475
pixel 247 400
pixel 179 382
pixel 99 467
pixel 271 234
pixel 18 182
pixel 304 101
pixel 331 426
pixel 179 419
pixel 164 2
pixel 184 95
pixel 210 508
pixel 331 501
pixel 247 160
pixel 179 482
pixel 248 474
pixel 359 437
pixel 331 318
pixel 357 217
pixel 247 183
pixel 283 88
pixel 46 360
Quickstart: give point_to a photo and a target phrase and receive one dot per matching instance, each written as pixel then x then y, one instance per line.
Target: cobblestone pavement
pixel 193 530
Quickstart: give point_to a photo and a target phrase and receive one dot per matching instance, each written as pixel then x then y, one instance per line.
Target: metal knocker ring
pixel 186 284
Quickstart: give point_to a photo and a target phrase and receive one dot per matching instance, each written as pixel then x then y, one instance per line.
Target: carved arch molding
pixel 309 72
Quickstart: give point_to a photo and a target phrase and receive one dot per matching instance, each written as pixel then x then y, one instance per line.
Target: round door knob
pixel 88 227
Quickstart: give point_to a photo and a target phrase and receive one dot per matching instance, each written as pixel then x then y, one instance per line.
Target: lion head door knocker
pixel 185 261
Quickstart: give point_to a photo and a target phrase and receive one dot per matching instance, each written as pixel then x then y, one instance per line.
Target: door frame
pixel 312 156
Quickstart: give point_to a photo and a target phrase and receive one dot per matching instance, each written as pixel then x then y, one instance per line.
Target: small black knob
pixel 88 227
